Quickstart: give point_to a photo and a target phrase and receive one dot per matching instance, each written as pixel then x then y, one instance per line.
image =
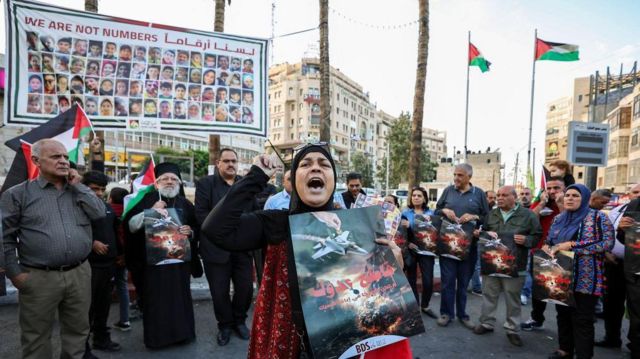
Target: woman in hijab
pixel 278 324
pixel 588 233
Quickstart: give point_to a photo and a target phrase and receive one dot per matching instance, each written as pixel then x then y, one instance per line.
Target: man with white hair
pixel 460 203
pixel 164 290
pixel 51 216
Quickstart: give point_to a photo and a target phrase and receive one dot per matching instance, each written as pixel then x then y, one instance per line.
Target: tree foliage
pixel 399 147
pixel 363 165
pixel 200 160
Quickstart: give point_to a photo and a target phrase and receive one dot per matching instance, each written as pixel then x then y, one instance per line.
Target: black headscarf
pixel 296 205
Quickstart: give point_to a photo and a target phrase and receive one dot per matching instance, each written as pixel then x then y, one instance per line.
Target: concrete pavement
pixel 451 342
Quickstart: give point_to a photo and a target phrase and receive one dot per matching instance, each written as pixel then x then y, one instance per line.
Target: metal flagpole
pixel 533 86
pixel 466 113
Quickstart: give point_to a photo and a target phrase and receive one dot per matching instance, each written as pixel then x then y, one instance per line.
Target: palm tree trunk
pixel 92 6
pixel 418 99
pixel 218 26
pixel 325 72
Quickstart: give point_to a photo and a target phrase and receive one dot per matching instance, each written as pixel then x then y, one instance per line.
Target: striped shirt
pixel 47 226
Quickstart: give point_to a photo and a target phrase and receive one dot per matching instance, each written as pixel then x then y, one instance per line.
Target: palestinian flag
pixel 476 59
pixel 32 170
pixel 555 51
pixel 543 186
pixel 69 128
pixel 142 185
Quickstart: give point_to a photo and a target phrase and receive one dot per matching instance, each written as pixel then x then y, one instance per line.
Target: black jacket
pixel 209 191
pixel 105 230
pixel 234 229
pixel 349 199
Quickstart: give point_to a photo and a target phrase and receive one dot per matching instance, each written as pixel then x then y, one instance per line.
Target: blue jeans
pixel 528 282
pixel 123 293
pixel 476 284
pixel 455 276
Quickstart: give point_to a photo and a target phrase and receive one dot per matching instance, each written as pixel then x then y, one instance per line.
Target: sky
pixel 366 47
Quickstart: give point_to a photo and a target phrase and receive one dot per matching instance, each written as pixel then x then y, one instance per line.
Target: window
pixel 636 107
pixel 290 91
pixel 300 93
pixel 337 110
pixel 292 107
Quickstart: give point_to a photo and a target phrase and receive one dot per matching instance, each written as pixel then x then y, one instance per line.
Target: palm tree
pixel 325 73
pixel 418 99
pixel 91 5
pixel 218 26
pixel 96 153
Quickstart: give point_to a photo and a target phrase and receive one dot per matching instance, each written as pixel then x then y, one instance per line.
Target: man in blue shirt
pixel 281 199
pixel 461 202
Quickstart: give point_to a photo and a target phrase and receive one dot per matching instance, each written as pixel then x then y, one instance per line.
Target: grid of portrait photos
pixel 111 79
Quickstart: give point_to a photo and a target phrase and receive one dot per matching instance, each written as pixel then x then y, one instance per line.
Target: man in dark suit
pixel 222 267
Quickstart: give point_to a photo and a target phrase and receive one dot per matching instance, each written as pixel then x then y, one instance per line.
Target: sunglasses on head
pixel 302 146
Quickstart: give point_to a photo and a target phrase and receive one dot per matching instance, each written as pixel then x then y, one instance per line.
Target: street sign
pixel 588 143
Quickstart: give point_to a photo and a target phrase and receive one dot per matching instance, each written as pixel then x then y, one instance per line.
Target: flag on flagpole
pixel 543 185
pixel 142 185
pixel 555 51
pixel 477 59
pixel 61 128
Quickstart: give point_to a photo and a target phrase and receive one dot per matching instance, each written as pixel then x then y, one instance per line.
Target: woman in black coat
pixel 278 324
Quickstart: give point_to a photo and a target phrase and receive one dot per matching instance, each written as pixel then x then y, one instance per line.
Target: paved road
pixel 452 342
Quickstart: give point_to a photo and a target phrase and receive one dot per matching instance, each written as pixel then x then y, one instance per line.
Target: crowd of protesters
pixel 67 242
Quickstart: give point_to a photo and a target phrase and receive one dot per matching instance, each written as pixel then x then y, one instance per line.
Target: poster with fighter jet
pixel 552 277
pixel 352 290
pixel 632 245
pixel 498 255
pixel 426 235
pixel 454 240
pixel 164 243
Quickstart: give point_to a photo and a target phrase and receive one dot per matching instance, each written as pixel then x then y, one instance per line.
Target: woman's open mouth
pixel 316 185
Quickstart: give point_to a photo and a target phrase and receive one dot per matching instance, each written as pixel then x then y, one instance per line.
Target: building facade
pixel 294 108
pixel 559 112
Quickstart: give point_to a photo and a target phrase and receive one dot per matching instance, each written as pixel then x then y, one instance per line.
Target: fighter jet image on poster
pixel 340 245
pixel 351 288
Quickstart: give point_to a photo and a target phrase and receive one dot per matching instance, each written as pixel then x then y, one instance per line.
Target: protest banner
pixel 455 240
pixel 130 74
pixel 553 277
pixel 164 243
pixel 498 255
pixel 352 289
pixel 390 213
